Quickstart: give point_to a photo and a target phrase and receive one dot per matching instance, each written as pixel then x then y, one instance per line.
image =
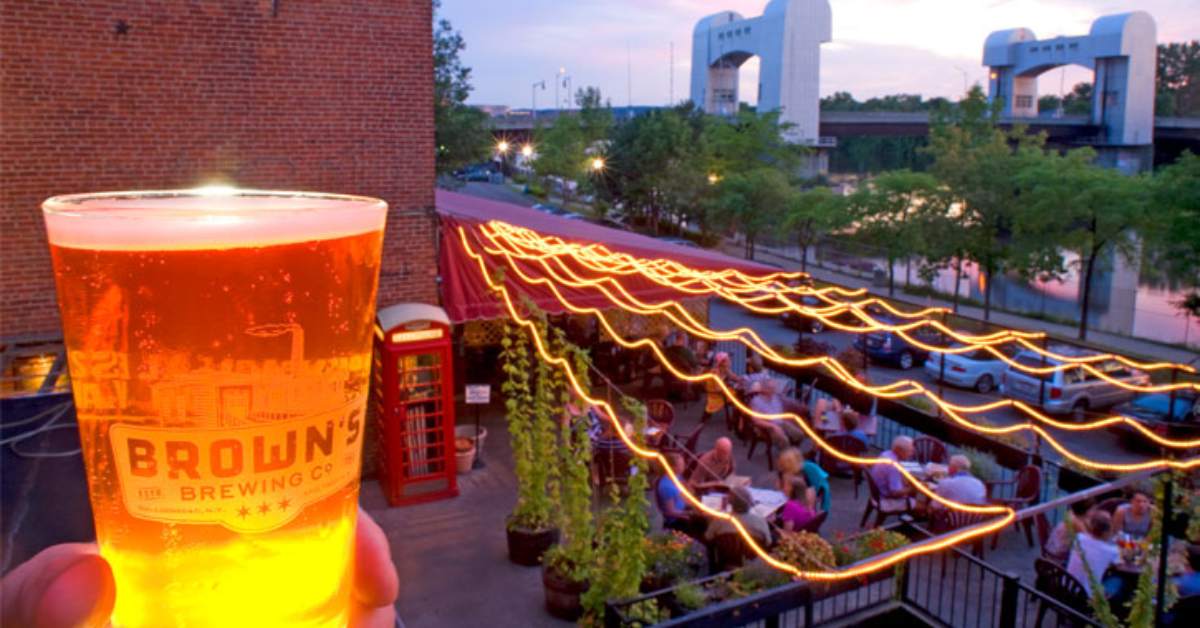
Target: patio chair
pixel 660 412
pixel 849 445
pixel 727 551
pixel 942 520
pixel 929 449
pixel 814 524
pixel 1043 531
pixel 1027 491
pixel 760 434
pixel 690 442
pixel 875 504
pixel 1110 505
pixel 1054 581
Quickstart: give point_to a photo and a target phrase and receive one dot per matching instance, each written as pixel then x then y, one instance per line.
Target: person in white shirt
pixel 960 485
pixel 1093 545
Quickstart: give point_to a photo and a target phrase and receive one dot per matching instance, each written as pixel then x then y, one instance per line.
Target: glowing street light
pixel 527 150
pixel 502 147
pixel 598 164
pixel 713 178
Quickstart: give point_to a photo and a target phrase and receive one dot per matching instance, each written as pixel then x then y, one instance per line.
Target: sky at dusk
pixel 879 47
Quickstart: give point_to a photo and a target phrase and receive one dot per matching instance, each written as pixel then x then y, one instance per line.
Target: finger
pixel 64 585
pixel 375 617
pixel 375 579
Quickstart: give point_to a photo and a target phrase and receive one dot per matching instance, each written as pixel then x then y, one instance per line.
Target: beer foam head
pixel 206 218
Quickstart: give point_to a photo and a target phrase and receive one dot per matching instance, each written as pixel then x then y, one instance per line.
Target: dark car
pixel 804 323
pixel 553 210
pixel 1150 409
pixel 891 348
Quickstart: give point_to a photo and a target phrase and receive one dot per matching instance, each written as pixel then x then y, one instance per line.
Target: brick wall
pixel 322 95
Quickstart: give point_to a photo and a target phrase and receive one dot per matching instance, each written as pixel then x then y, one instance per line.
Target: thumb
pixel 63 586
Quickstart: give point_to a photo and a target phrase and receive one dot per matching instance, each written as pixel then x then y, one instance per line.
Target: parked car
pixel 476 172
pixel 679 241
pixel 553 210
pixel 891 348
pixel 1071 390
pixel 979 369
pixel 1150 409
pixel 811 324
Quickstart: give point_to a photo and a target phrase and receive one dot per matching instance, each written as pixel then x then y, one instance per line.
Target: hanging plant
pixel 533 508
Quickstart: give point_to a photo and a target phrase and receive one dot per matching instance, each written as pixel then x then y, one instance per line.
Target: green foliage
pixel 459 132
pixel 886 211
pixel 1172 237
pixel 646 613
pixel 690 596
pixel 983 464
pixel 755 577
pixel 752 202
pixel 1178 79
pixel 870 543
pixel 805 550
pixel 1086 208
pixel 811 214
pixel 672 556
pixel 574 469
pixel 533 509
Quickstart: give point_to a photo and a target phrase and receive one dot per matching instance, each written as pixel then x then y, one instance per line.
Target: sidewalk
pixel 1126 345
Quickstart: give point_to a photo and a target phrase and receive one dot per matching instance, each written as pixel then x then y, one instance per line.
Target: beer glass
pixel 219 350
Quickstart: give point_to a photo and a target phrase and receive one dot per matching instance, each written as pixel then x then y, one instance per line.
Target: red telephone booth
pixel 414 403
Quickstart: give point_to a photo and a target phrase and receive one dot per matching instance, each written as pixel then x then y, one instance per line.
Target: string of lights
pixel 970 343
pixel 1005 515
pixel 899 389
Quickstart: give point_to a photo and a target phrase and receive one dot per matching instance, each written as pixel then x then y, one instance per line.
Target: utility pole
pixel 671 101
pixel 557 80
pixel 628 78
pixel 533 93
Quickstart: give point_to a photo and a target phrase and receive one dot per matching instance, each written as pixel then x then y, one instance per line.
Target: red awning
pixel 465 295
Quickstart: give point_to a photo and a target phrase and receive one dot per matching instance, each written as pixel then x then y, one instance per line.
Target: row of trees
pixel 994 198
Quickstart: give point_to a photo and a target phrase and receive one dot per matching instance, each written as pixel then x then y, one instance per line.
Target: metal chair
pixel 928 449
pixel 728 551
pixel 848 445
pixel 660 412
pixel 760 434
pixel 1057 583
pixel 1027 491
pixel 1044 531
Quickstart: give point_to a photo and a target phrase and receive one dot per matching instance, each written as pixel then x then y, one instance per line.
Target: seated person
pixel 850 427
pixel 783 431
pixel 1058 545
pixel 740 503
pixel 1133 518
pixel 676 513
pixel 1094 547
pixel 793 464
pixel 715 397
pixel 680 355
pixel 800 507
pixel 959 485
pixel 895 493
pixel 755 371
pixel 713 466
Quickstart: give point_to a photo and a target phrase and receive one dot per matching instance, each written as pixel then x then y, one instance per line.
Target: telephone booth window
pixel 414 403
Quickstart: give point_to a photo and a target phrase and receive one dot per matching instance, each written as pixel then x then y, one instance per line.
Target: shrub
pixel 983 464
pixel 867 544
pixel 805 550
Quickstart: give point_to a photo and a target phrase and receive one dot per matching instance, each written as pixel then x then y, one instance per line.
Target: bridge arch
pixel 1121 51
pixel 787 40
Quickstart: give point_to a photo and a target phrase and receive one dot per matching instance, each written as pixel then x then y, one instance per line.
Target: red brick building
pixel 292 94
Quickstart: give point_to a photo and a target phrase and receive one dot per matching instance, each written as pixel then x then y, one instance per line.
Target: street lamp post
pixel 533 93
pixel 557 80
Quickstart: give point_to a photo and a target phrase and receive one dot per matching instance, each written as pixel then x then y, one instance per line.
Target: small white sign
pixel 479 393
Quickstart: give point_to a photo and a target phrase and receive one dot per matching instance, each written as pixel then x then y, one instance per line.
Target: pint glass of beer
pixel 219 350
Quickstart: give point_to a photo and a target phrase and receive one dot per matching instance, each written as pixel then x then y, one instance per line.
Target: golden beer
pixel 219 351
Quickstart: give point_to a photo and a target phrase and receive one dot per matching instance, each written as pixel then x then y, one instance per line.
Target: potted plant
pixel 566 568
pixel 671 557
pixel 530 526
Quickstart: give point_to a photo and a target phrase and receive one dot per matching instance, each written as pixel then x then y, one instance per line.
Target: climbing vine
pixel 533 508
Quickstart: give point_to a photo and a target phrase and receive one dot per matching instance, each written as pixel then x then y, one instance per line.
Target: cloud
pixel 880 46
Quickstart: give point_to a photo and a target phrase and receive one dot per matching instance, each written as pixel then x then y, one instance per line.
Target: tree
pixel 1048 104
pixel 1079 101
pixel 1173 234
pixel 750 141
pixel 977 162
pixel 1178 79
pixel 460 134
pixel 752 201
pixel 561 151
pixel 812 213
pixel 884 211
pixel 1089 209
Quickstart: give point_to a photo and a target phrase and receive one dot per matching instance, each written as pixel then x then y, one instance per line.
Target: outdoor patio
pixel 452 558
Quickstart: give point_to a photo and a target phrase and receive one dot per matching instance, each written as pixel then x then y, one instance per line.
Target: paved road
pixel 1099 445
